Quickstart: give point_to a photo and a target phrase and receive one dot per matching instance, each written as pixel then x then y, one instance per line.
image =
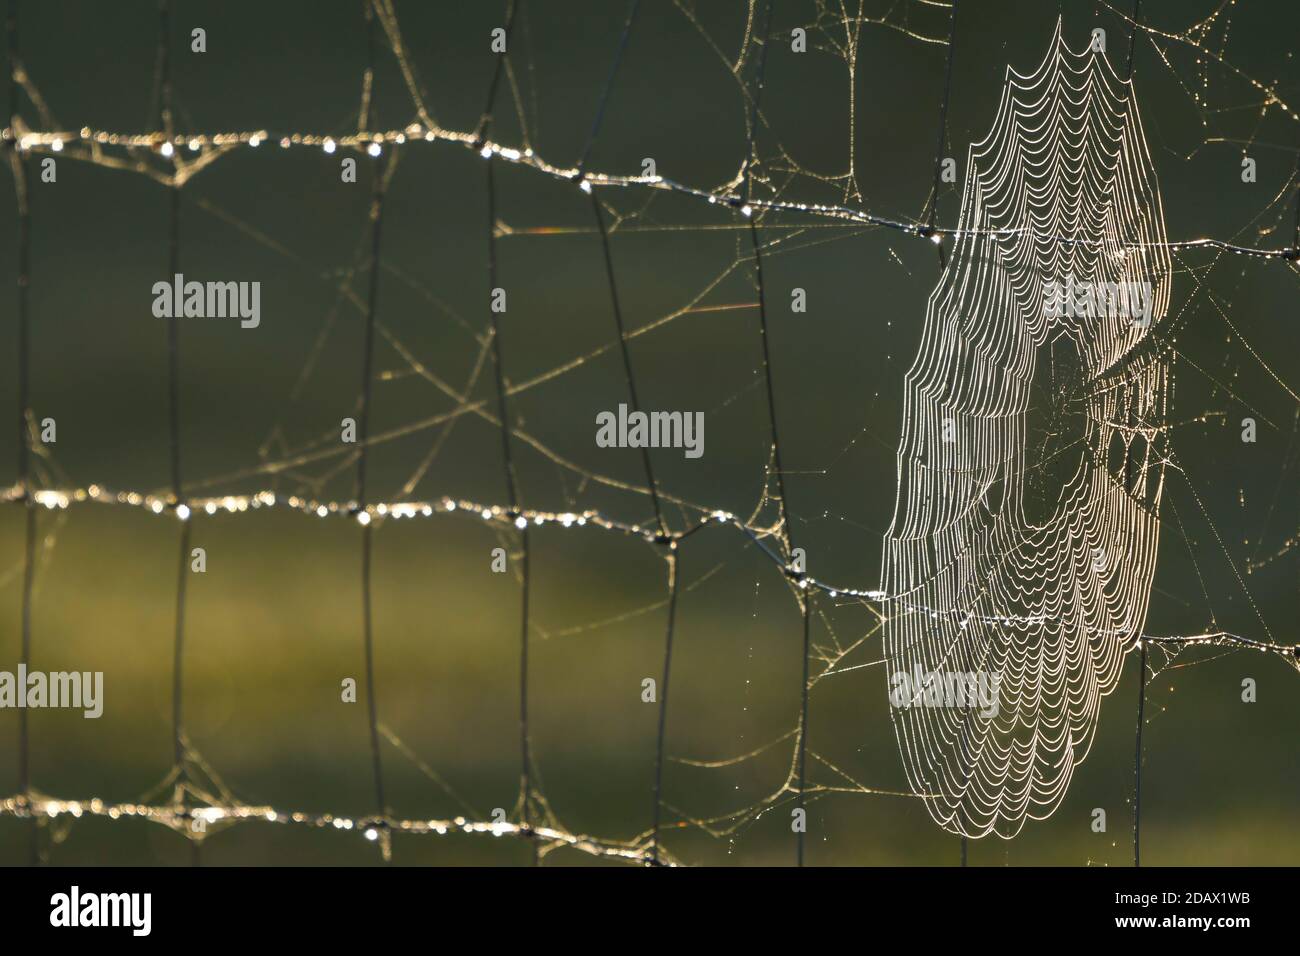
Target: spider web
pixel 977 580
pixel 968 588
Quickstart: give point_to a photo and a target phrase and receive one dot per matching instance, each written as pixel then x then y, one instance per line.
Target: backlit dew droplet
pixel 183 512
pixel 363 517
pixel 747 211
pixel 57 145
pixel 372 834
pixel 521 522
pixel 329 146
pixel 374 149
pixel 167 150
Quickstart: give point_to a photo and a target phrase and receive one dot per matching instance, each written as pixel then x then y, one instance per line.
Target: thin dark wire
pixel 663 704
pixel 513 494
pixel 376 758
pixel 1132 39
pixel 609 259
pixel 651 484
pixel 164 74
pixel 962 750
pixel 1130 482
pixel 24 399
pixel 363 431
pixel 525 749
pixel 663 537
pixel 1295 248
pixel 485 122
pixel 363 434
pixel 805 602
pixel 1128 479
pixel 933 210
pixel 498 367
pixel 173 326
pixel 178 651
pixel 800 803
pixel 1137 755
pixel 29 573
pixel 628 375
pixel 609 85
pixel 762 307
pixel 173 343
pixel 507 457
pixel 11 29
pixel 165 123
pixel 173 354
pixel 805 598
pixel 367 77
pixel 751 128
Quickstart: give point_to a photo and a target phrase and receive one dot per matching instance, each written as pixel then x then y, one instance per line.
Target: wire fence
pixel 195 804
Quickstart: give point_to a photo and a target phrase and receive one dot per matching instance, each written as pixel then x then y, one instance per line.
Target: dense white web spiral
pixel 1031 460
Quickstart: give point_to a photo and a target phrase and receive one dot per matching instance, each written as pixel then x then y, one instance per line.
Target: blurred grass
pixel 274 627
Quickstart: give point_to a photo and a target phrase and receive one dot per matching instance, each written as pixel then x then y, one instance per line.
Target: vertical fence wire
pixel 663 537
pixel 942 136
pixel 1295 242
pixel 167 124
pixel 363 425
pixel 1129 481
pixel 805 598
pixel 23 197
pixel 932 212
pixel 507 454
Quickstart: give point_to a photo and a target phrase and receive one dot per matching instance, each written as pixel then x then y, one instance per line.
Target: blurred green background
pixel 274 624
